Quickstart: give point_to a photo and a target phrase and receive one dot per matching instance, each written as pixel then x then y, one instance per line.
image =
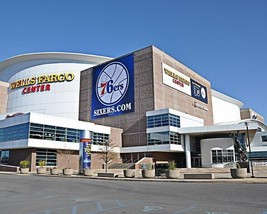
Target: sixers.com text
pixel 113 109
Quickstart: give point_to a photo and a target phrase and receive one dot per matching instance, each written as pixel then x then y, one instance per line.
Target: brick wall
pixel 133 124
pixel 3 97
pixel 150 94
pixel 167 97
pixel 17 155
pixel 64 155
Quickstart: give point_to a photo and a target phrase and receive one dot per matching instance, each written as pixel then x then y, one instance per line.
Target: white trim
pixel 226 98
pixel 217 128
pixel 54 56
pixel 33 117
pixel 172 111
pixel 5 84
pixel 153 148
pixel 185 119
pixel 48 144
pixel 101 148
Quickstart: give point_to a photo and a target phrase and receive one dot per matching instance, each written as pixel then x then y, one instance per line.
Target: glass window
pixel 259 155
pixel 61 134
pixel 214 156
pixel 46 132
pixel 4 158
pixel 219 156
pixel 49 156
pixel 100 138
pixel 73 135
pixel 12 133
pixel 222 156
pixel 36 131
pixel 175 138
pixel 163 120
pixel 49 132
pixel 163 138
pixel 264 138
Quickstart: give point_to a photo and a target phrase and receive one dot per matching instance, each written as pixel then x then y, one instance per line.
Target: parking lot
pixel 33 194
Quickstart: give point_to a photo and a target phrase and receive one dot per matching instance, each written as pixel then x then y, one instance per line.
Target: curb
pixel 180 180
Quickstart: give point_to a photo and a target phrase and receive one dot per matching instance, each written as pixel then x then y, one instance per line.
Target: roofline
pixel 218 129
pixel 254 121
pixel 226 98
pixel 79 57
pixel 4 84
pixel 252 110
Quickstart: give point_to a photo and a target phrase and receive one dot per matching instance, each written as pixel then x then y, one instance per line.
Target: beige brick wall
pixel 248 114
pixel 150 94
pixel 133 124
pixel 3 97
pixel 64 155
pixel 167 97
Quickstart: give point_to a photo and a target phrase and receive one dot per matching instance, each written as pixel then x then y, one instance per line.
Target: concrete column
pixel 187 151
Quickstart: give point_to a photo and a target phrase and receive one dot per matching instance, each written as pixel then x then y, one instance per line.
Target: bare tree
pixel 66 153
pixel 108 153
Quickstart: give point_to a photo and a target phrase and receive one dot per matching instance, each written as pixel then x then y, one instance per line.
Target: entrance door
pixel 196 162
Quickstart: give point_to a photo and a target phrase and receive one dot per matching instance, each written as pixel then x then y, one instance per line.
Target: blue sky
pixel 223 40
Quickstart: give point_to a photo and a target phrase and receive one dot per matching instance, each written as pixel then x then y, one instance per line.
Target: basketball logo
pixel 112 83
pixel 203 93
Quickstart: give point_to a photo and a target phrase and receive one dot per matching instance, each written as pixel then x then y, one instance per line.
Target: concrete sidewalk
pixel 222 175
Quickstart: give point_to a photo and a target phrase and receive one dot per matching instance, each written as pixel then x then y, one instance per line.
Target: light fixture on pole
pixel 250 157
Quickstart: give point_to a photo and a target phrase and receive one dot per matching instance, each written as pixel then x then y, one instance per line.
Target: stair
pixel 122 166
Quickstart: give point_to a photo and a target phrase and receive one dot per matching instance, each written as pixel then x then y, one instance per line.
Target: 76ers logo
pixel 112 83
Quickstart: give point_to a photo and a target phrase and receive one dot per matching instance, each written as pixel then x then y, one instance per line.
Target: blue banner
pixel 199 91
pixel 113 88
pixel 86 155
pixel 85 149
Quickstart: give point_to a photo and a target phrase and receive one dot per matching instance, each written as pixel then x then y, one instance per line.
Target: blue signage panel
pixel 85 149
pixel 199 91
pixel 86 155
pixel 113 88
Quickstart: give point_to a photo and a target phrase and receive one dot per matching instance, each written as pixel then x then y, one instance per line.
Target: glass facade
pixel 259 155
pixel 46 132
pixel 163 120
pixel 49 156
pixel 99 138
pixel 4 157
pixel 222 156
pixel 18 132
pixel 163 138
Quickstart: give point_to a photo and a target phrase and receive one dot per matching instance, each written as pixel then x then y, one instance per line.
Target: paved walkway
pixel 221 176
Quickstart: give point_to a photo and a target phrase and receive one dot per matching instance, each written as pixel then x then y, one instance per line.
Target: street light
pixel 250 157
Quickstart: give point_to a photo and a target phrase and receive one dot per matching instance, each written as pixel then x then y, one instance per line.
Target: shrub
pixel 149 166
pixel 24 164
pixel 42 163
pixel 171 165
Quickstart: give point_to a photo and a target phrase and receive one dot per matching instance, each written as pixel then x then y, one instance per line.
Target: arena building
pixel 149 103
pixel 40 109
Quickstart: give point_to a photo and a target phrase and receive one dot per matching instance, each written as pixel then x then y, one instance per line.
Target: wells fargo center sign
pixel 40 83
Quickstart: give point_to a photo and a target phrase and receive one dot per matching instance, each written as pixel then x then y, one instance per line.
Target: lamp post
pixel 250 157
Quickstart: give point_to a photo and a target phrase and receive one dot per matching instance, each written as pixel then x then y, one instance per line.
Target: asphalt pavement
pixel 35 194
